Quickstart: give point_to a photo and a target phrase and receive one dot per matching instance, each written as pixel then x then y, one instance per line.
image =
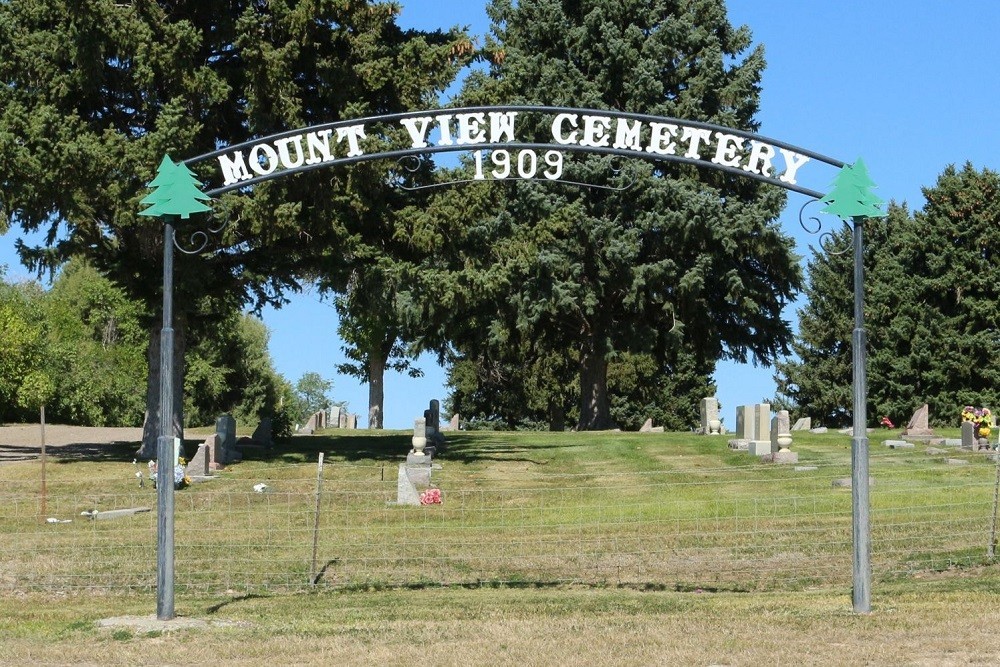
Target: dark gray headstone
pixel 262 434
pixel 225 428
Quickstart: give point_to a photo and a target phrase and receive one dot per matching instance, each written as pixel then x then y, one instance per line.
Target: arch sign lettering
pixel 501 150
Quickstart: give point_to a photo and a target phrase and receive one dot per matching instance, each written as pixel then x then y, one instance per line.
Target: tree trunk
pixel 151 424
pixel 595 411
pixel 376 389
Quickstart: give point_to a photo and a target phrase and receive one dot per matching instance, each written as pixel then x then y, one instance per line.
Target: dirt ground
pixel 20 442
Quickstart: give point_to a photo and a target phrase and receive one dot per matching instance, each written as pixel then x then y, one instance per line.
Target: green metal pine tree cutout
pixel 852 196
pixel 175 192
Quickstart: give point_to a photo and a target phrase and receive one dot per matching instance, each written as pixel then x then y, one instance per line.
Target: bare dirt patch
pixel 23 442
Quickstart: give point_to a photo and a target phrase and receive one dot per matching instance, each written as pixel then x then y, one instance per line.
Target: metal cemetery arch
pixel 494 129
pixel 267 158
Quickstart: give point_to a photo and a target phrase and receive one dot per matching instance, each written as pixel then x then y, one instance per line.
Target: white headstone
pixel 803 424
pixel 710 422
pixel 762 422
pixel 744 422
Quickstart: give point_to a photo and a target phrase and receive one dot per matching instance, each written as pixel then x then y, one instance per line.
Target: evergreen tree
pixel 688 262
pixel 930 309
pixel 818 380
pixel 93 97
pixel 370 328
pixel 938 302
pixel 232 372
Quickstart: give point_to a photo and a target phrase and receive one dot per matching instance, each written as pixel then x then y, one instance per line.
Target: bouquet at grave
pixel 431 497
pixel 981 417
pixel 887 423
pixel 181 480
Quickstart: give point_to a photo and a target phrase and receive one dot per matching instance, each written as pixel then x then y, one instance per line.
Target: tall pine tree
pixel 92 97
pixel 931 283
pixel 688 262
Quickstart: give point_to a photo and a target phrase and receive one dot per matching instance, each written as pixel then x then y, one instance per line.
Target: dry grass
pixel 519 626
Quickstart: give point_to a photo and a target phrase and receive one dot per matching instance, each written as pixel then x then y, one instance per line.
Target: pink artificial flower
pixel 430 497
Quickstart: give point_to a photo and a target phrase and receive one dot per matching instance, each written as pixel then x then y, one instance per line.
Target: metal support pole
pixel 319 503
pixel 165 442
pixel 45 511
pixel 862 571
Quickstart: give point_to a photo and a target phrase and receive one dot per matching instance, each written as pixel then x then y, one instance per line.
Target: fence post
pixel 991 549
pixel 319 499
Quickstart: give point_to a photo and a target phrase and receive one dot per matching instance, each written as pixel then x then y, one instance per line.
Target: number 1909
pixel 525 163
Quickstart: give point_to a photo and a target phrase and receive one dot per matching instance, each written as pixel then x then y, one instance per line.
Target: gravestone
pixel 419 440
pixel 334 416
pixel 781 431
pixel 744 428
pixel 419 471
pixel 262 435
pixel 352 421
pixel 899 444
pixel 199 464
pixel 917 428
pixel 760 439
pixel 781 440
pixel 452 424
pixel 225 428
pixel 803 424
pixel 744 422
pixel 406 490
pixel 968 435
pixel 213 443
pixel 342 419
pixel 647 426
pixel 433 415
pixel 710 422
pixel 317 421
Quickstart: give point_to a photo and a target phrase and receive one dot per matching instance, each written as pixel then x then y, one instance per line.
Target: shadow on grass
pixel 215 608
pixel 395 446
pixel 353 447
pixel 103 452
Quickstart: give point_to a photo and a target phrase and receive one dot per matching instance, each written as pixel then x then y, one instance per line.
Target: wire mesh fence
pixel 753 527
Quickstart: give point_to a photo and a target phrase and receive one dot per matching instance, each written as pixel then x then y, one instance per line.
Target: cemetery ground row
pixel 658 548
pixel 647 511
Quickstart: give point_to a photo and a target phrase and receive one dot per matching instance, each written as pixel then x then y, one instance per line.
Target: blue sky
pixel 909 86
